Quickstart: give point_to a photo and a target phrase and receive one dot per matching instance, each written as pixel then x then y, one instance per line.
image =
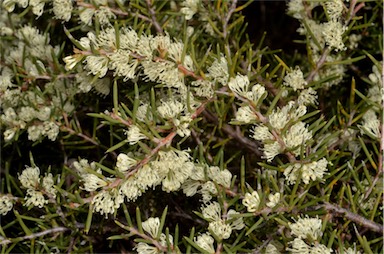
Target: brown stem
pixel 342 212
pixel 153 17
pixel 4 241
pixel 319 64
pixel 249 144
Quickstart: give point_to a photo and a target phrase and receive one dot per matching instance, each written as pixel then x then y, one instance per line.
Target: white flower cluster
pixel 36 189
pixel 190 8
pixel 240 86
pixel 205 241
pixel 35 108
pixel 307 229
pixel 295 79
pixel 218 226
pixel 198 183
pixel 132 51
pixel 152 228
pixel 251 201
pixel 293 136
pixel 370 125
pixel 307 172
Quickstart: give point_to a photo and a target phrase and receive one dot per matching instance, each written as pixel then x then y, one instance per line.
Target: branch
pixel 4 241
pixel 153 17
pixel 342 212
pixel 249 144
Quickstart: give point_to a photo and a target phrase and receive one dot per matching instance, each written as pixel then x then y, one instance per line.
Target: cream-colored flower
pixel 125 162
pixel 62 9
pixel 220 229
pixel 6 204
pixel 35 198
pixel 134 135
pixel 295 79
pixel 212 211
pixel 29 178
pixel 307 228
pixel 251 201
pixel 205 241
pixel 273 200
pixel 152 226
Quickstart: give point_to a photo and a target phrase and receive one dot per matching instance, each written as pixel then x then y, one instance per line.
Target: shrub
pixel 168 126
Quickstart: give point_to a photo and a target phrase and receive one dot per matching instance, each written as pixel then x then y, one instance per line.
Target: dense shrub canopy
pixel 180 126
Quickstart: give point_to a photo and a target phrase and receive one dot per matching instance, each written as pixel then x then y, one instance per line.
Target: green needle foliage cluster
pixel 168 127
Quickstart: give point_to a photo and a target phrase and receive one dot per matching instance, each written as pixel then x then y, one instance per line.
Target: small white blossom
pixel 222 177
pixel 62 9
pixel 182 125
pixel 104 15
pixel 239 85
pixel 92 182
pixel 220 229
pixel 273 200
pixel 6 204
pixel 219 71
pixel 35 132
pixel 123 64
pixel 299 247
pixel 190 187
pixel 245 115
pixel 297 135
pixel 354 40
pixel 270 150
pixel 207 190
pixel 72 60
pixel 29 178
pixel 170 109
pixel 271 249
pixel 134 135
pixel 205 241
pixel 152 226
pixel 321 249
pixel 147 177
pixel 37 7
pixel 48 184
pixel 35 198
pixel 9 134
pixel 130 189
pixel 295 79
pixel 311 171
pixel 296 9
pixel 334 9
pixel 212 211
pixel 51 130
pixel 251 201
pixel 144 248
pixel 371 124
pixel 86 15
pixel 262 133
pixel 97 65
pixel 190 8
pixel 237 222
pixel 333 35
pixel 307 96
pixel 203 88
pixel 125 162
pixel 174 168
pixel 256 93
pixel 307 228
pixel 107 201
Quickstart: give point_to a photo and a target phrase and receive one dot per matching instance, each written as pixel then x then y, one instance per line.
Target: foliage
pixel 164 126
